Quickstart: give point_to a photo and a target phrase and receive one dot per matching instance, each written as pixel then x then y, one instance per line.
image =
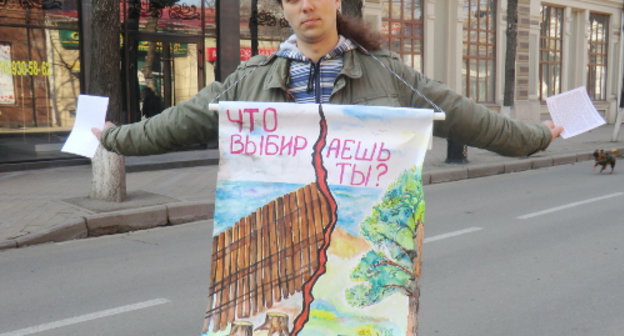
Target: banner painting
pixel 318 220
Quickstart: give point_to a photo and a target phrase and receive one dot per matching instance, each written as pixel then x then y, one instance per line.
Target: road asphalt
pixel 52 204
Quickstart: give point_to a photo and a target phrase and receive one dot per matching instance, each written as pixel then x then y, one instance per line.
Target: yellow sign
pixel 25 68
pixel 71 40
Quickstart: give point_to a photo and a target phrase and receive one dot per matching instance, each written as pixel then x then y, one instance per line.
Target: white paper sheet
pixel 574 111
pixel 91 112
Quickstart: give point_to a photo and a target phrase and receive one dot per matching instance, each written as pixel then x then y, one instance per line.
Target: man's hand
pixel 555 131
pixel 98 132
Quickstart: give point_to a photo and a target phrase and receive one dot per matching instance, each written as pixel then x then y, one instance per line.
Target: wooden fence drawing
pixel 267 256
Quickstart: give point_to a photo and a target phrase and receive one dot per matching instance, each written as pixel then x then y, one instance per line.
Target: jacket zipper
pixel 317 81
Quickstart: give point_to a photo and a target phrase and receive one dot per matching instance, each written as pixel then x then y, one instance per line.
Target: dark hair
pixel 355 29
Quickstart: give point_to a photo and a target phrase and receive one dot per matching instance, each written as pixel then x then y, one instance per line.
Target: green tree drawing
pixel 393 264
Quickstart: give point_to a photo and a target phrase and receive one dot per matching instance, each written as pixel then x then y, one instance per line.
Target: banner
pixel 318 220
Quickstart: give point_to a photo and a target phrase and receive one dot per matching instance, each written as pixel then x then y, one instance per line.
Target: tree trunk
pixel 414 306
pixel 109 176
pixel 510 54
pixel 103 79
pixel 414 288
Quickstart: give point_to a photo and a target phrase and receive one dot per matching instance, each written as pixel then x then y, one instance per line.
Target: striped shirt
pixel 313 82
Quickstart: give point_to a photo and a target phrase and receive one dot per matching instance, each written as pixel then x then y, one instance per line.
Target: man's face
pixel 312 20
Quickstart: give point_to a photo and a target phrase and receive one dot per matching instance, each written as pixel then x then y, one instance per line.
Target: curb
pixel 505 167
pixel 186 212
pixel 75 228
pixel 116 222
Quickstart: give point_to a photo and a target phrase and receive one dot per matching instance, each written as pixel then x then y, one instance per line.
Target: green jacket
pixel 362 81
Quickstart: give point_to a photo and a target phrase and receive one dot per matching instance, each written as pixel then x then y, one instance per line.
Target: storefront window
pixel 38 79
pixel 165 15
pixel 40 66
pixel 48 13
pixel 270 27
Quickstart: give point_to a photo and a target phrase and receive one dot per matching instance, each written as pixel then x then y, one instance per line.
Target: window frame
pixel 413 56
pixel 480 88
pixel 596 50
pixel 549 83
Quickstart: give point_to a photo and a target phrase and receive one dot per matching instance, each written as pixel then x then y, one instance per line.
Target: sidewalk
pixel 51 204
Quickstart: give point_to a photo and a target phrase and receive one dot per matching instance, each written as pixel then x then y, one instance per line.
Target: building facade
pixel 561 45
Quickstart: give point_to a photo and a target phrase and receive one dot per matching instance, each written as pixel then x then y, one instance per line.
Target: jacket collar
pixel 352 66
pixel 278 72
pixel 289 49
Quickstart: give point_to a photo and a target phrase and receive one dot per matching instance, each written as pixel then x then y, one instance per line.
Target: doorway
pixel 161 69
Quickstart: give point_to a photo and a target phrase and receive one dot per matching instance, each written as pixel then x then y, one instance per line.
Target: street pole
pixel 456 152
pixel 228 37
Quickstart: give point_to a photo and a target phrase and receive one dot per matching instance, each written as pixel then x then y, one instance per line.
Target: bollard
pixel 456 152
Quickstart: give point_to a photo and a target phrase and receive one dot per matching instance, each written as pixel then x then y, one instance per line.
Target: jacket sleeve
pixel 475 125
pixel 187 123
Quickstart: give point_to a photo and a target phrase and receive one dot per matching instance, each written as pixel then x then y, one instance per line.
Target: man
pixel 327 61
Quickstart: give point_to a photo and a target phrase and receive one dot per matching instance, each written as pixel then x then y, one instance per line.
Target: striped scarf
pixel 313 82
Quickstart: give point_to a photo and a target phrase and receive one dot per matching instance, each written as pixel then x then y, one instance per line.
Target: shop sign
pixel 245 53
pixel 71 40
pixel 24 68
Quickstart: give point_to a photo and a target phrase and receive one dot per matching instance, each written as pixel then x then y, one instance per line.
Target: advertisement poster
pixel 318 221
pixel 7 92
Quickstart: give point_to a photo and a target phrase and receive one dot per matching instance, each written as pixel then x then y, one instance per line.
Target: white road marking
pixel 85 318
pixel 569 205
pixel 449 235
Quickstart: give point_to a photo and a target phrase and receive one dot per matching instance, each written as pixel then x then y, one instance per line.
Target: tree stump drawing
pixel 241 328
pixel 275 324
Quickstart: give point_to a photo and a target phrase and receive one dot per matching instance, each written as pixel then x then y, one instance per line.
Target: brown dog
pixel 604 158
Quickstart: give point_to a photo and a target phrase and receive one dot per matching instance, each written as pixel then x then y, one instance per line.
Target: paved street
pixel 151 282
pixel 532 253
pixel 546 260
